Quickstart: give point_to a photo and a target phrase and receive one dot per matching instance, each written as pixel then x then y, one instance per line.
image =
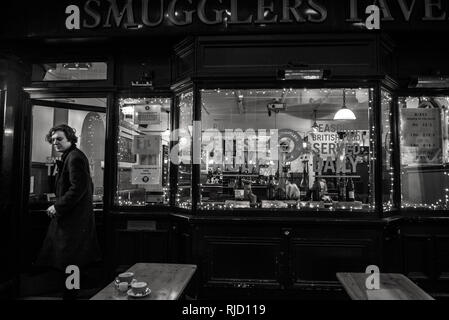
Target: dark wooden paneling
pixel 418 256
pixel 154 246
pixel 320 260
pixel 133 246
pixel 127 247
pixel 301 256
pixel 249 259
pixel 392 250
pixel 140 238
pixel 181 250
pixel 442 258
pixel 388 58
pixel 264 55
pixel 155 61
pixel 425 254
pixel 183 60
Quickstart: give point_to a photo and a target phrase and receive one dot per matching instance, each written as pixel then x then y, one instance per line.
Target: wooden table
pixel 393 286
pixel 166 281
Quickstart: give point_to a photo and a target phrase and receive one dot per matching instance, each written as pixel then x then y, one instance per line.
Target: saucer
pixel 138 295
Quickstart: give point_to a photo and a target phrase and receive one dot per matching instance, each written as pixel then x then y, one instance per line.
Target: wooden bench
pixel 393 286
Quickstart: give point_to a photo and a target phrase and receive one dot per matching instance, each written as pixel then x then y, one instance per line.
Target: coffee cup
pixel 139 287
pixel 123 286
pixel 126 277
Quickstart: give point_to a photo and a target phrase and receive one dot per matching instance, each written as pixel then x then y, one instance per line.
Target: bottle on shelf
pixel 209 176
pixel 342 189
pixel 304 185
pixel 350 195
pixel 316 190
pixel 271 188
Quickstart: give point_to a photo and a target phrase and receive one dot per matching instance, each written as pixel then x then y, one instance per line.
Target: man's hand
pixel 51 211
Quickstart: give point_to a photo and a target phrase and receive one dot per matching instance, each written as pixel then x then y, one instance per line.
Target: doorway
pixel 87 115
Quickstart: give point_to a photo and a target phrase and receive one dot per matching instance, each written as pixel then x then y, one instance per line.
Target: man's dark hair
pixel 68 131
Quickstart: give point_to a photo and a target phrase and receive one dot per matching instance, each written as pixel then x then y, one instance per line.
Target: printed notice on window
pixel 421 140
pixel 146 145
pixel 148 116
pixel 147 175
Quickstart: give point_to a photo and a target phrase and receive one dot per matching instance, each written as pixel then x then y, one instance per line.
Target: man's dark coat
pixel 71 237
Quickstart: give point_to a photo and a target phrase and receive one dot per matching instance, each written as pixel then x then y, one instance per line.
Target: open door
pixel 87 115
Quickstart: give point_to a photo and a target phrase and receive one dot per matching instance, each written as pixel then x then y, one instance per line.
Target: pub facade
pixel 270 143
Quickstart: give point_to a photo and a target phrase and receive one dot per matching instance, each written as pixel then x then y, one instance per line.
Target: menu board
pixel 421 138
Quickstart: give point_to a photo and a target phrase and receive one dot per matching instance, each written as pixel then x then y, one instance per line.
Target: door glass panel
pixel 89 122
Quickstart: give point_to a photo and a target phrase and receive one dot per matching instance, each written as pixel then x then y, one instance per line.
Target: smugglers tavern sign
pixel 115 13
pixel 69 18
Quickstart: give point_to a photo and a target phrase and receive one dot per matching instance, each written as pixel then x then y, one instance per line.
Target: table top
pixel 393 286
pixel 166 281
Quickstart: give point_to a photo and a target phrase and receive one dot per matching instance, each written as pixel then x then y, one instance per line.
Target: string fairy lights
pixel 132 198
pixel 360 97
pixel 438 176
pixel 387 159
pixel 183 196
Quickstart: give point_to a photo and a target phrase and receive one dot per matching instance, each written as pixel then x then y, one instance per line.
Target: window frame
pixel 413 93
pixel 247 83
pixel 110 72
pixel 137 93
pixel 53 93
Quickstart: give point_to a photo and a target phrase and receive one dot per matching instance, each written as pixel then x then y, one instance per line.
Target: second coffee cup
pixel 126 277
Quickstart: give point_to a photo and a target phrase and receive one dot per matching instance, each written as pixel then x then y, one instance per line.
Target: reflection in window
pixel 70 71
pixel 182 158
pixel 143 151
pixel 90 130
pixel 266 148
pixel 424 152
pixel 387 151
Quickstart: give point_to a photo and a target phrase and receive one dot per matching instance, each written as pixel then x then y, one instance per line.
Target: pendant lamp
pixel 344 113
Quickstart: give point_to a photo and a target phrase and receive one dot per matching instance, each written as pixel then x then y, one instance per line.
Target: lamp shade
pixel 344 114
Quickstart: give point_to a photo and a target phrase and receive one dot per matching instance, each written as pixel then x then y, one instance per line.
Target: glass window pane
pixel 282 148
pixel 424 152
pixel 183 158
pixel 89 126
pixel 70 71
pixel 387 152
pixel 143 150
